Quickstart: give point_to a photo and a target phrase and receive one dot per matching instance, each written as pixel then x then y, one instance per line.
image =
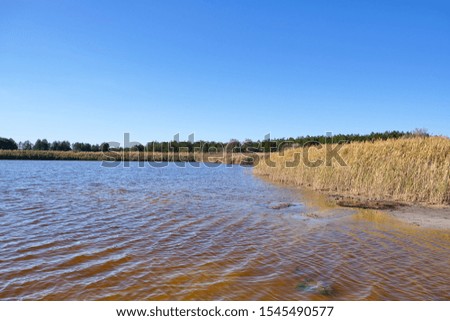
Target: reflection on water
pixel 77 231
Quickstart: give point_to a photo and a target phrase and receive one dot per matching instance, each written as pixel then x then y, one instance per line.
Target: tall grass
pixel 407 169
pixel 225 158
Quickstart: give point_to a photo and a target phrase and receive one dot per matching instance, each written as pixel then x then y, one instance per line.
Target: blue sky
pixel 92 70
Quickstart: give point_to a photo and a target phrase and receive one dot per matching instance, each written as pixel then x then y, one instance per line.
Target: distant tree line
pixel 209 146
pixel 44 144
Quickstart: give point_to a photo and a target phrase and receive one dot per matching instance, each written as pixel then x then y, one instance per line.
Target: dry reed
pixel 225 158
pixel 409 169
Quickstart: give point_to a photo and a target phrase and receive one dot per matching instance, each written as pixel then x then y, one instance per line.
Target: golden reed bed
pixel 413 170
pixel 225 158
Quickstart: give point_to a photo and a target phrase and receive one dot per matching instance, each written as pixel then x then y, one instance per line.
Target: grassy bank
pixel 408 169
pixel 225 158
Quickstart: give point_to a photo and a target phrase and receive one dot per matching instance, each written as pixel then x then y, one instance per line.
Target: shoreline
pixel 407 178
pixel 420 215
pixel 333 205
pixel 417 214
pixel 428 216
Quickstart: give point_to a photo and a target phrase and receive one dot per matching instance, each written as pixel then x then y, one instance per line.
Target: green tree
pixel 27 145
pixel 60 146
pixel 137 148
pixel 6 143
pixel 104 147
pixel 41 145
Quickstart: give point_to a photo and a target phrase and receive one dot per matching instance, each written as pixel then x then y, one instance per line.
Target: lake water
pixel 79 231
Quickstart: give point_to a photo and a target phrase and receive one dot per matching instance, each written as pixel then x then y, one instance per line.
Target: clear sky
pixel 92 70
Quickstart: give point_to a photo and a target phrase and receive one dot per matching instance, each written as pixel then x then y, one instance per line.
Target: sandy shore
pixel 421 216
pixel 418 215
pixel 329 205
pixel 429 217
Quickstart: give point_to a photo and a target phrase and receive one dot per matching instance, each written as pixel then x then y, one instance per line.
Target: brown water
pixel 78 231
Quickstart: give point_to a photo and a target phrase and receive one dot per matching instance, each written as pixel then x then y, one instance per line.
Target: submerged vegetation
pixel 407 169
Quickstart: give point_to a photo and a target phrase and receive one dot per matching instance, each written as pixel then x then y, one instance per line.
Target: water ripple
pixel 77 231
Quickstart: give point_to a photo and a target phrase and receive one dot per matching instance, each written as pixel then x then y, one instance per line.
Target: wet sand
pixel 325 205
pixel 429 217
pixel 426 217
pixel 435 217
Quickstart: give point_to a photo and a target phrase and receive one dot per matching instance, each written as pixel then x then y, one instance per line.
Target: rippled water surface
pixel 78 231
